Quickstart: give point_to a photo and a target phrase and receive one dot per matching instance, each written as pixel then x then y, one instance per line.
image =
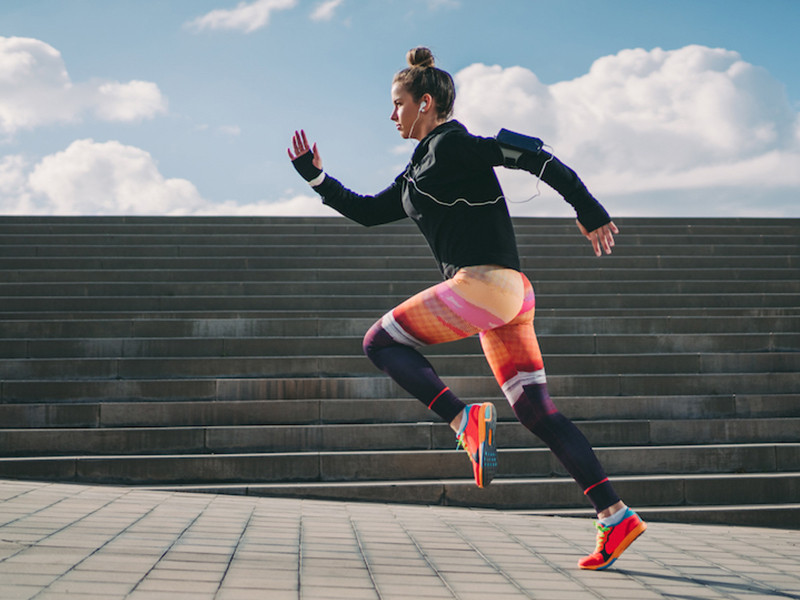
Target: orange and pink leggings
pixel 498 304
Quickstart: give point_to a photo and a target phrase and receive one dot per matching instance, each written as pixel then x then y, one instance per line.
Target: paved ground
pixel 90 542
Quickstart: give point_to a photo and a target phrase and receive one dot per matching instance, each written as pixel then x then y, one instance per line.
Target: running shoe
pixel 612 541
pixel 477 438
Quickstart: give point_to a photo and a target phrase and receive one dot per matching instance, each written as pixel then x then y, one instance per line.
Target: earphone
pixel 421 110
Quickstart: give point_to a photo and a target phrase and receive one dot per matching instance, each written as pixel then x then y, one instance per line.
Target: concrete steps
pixel 224 354
pixel 333 437
pixel 449 365
pixel 169 411
pixel 122 347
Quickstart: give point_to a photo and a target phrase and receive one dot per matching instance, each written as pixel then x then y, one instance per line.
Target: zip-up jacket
pixel 450 190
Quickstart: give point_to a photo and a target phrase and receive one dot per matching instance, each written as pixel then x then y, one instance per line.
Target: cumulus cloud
pixel 128 101
pixel 94 178
pixel 36 90
pixel 13 181
pixel 695 118
pixel 298 205
pixel 325 10
pixel 110 178
pixel 246 17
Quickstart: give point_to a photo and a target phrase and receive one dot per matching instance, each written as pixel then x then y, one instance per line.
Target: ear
pixel 425 103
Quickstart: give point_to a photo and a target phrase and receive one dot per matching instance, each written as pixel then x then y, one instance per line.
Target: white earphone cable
pixel 538 179
pixel 467 202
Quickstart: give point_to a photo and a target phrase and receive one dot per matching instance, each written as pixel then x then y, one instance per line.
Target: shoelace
pixel 602 532
pixel 461 442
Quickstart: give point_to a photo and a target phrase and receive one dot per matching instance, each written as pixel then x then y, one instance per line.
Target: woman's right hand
pixel 300 145
pixel 305 160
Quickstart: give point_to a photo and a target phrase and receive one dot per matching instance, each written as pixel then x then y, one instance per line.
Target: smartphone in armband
pixel 518 141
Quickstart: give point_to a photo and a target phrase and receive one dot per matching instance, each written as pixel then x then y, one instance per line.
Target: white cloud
pixel 488 95
pixel 246 17
pixel 641 121
pixel 109 178
pixel 325 10
pixel 128 101
pixel 13 181
pixel 91 178
pixel 36 90
pixel 299 205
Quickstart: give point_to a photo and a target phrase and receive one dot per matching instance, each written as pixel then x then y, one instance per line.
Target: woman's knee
pixel 376 339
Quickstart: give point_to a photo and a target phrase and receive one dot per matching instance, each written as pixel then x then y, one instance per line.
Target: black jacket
pixel 450 190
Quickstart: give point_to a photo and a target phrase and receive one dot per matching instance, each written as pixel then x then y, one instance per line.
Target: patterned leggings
pixel 498 304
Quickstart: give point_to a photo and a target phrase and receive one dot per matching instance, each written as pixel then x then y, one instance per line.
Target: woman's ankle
pixel 457 424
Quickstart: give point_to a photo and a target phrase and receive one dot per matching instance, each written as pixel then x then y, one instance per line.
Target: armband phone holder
pixel 518 141
pixel 514 145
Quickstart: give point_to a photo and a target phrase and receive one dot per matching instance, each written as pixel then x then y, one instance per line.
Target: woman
pixel 450 190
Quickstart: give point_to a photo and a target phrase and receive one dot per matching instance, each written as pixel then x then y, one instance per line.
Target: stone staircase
pixel 224 354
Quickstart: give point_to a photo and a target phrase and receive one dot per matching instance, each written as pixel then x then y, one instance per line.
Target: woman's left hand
pixel 602 238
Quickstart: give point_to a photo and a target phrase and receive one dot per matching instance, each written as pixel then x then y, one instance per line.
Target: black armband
pixel 515 145
pixel 304 164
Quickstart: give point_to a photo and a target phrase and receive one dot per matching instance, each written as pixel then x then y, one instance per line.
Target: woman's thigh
pixel 513 351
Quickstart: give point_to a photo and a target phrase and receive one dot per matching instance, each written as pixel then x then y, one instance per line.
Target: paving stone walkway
pixel 92 542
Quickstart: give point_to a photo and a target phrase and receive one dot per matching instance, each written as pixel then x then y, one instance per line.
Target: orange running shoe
pixel 477 438
pixel 613 540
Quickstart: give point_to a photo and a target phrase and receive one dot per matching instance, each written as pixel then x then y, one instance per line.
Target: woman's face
pixel 406 113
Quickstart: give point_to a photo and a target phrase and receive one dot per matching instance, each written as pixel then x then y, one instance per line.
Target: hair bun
pixel 420 57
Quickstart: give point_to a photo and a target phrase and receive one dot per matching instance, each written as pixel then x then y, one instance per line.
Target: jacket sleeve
pixel 384 207
pixel 566 182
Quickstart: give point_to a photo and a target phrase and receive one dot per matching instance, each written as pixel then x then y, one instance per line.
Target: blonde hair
pixel 423 77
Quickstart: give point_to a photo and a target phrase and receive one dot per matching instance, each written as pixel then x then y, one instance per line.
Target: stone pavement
pixel 92 542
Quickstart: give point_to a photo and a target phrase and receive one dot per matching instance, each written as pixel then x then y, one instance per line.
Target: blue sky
pixel 666 108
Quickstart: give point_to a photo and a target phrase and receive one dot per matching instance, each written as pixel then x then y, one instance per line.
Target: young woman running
pixel 449 189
